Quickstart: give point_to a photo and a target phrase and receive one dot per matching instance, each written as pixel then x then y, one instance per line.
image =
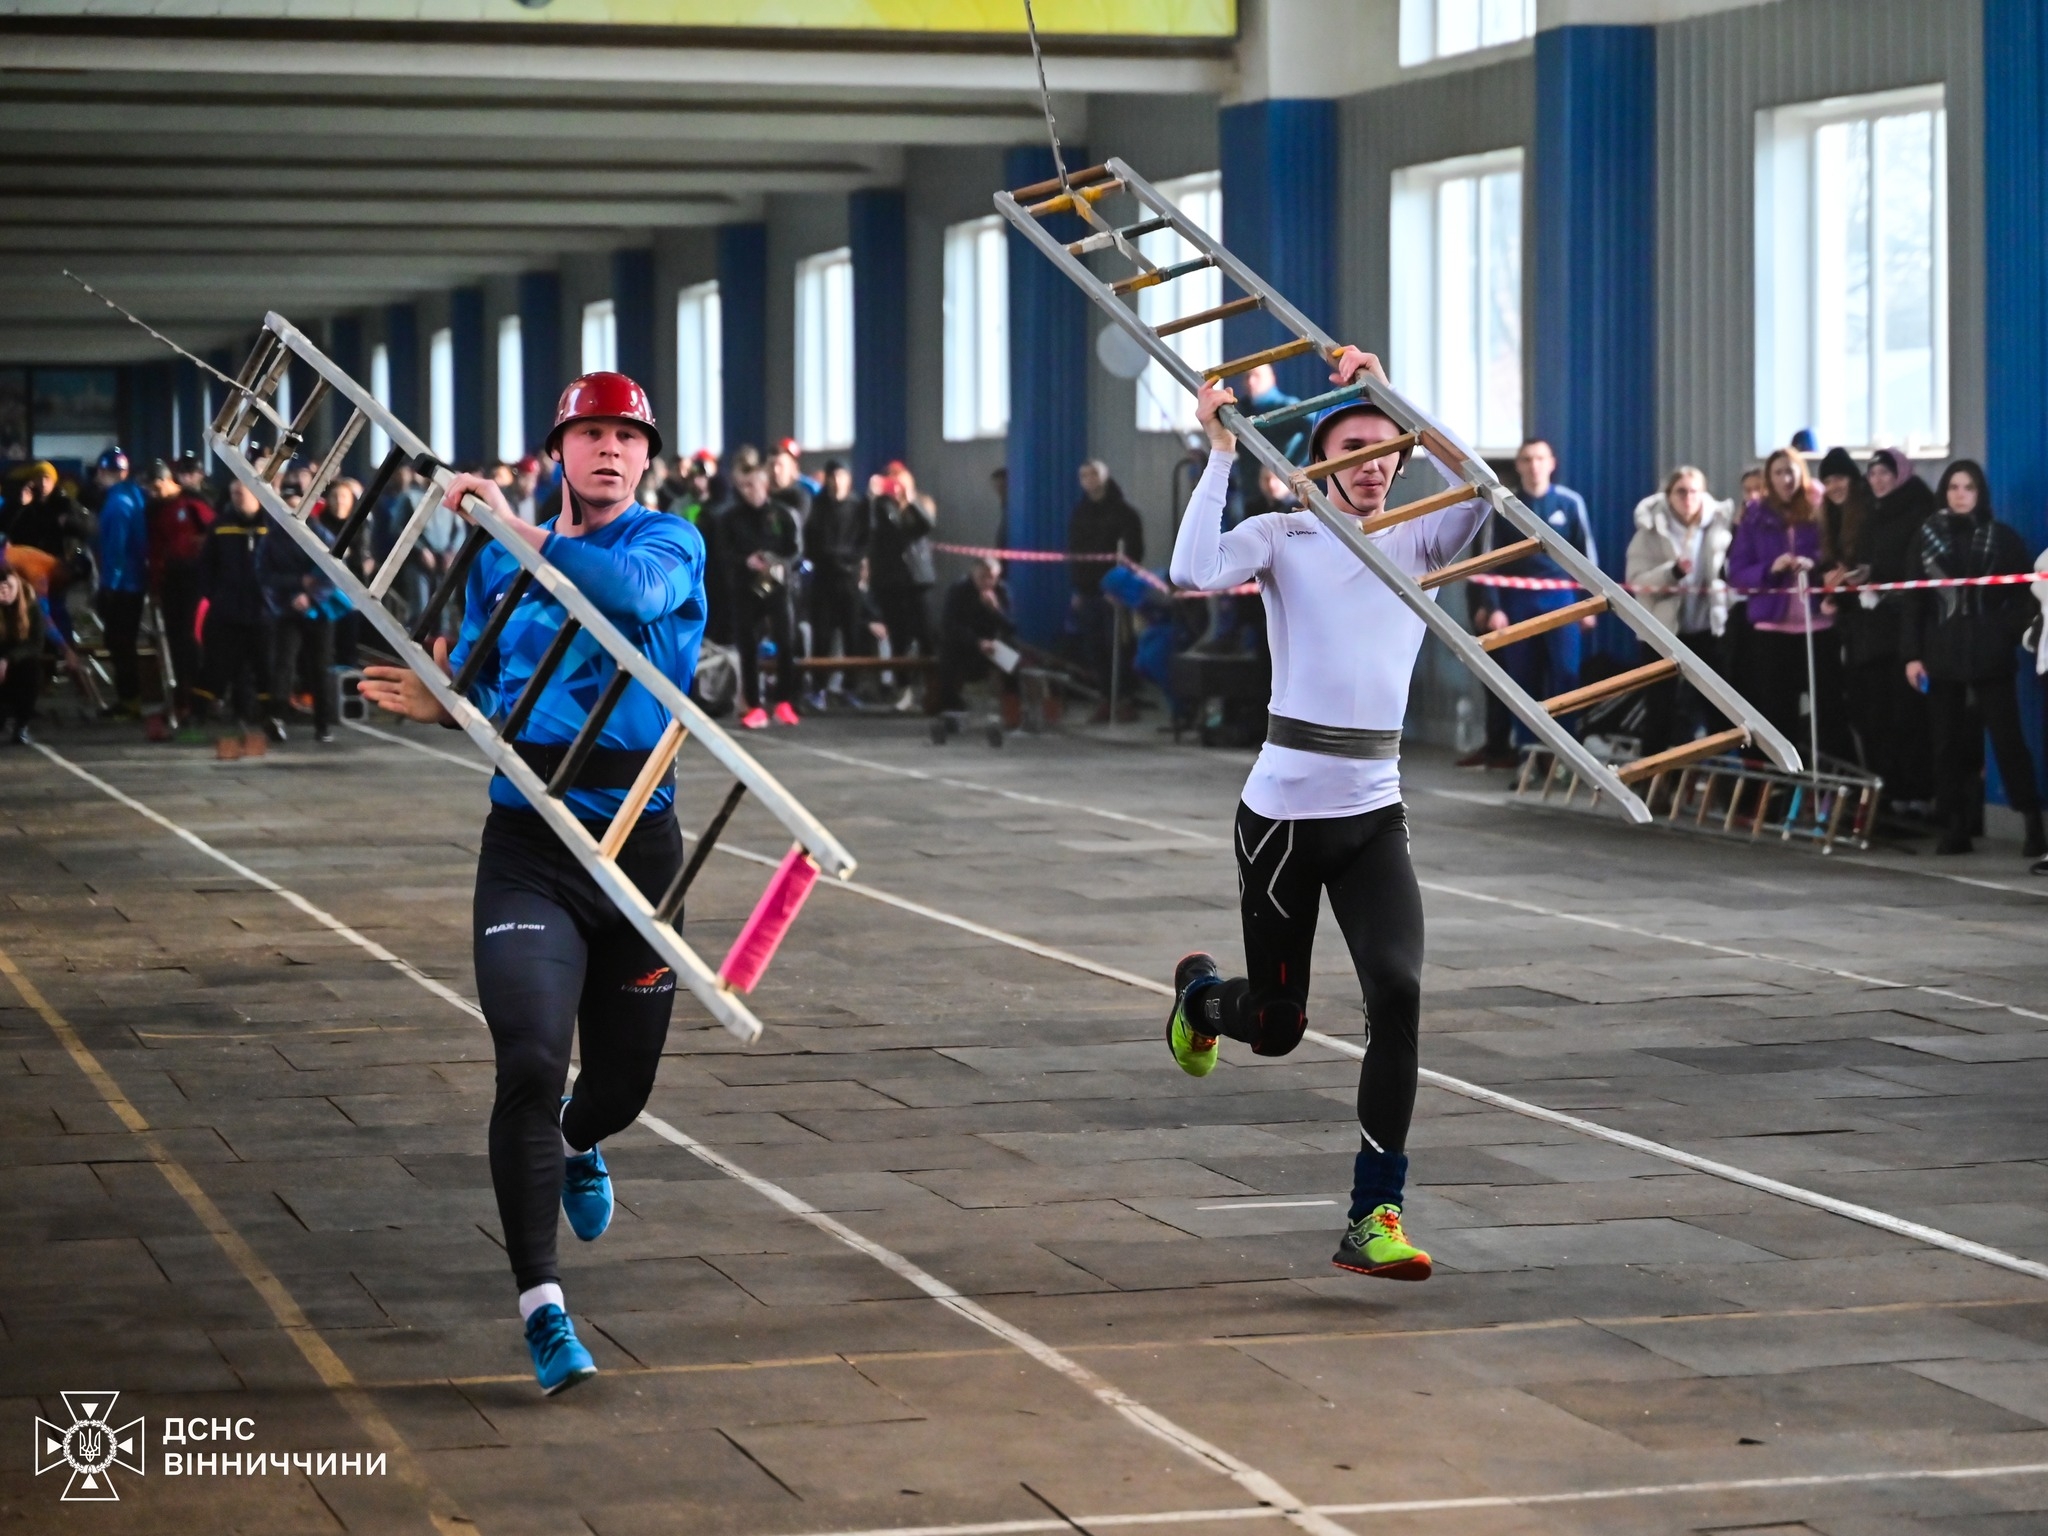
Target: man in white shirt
pixel 1322 808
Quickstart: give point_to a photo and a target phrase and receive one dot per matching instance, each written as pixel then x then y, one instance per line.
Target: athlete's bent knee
pixel 531 1076
pixel 1278 1028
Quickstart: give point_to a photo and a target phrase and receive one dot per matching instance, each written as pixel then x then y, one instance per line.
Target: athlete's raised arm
pixel 1204 556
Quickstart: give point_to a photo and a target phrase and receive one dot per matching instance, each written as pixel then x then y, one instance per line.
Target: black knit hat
pixel 1838 462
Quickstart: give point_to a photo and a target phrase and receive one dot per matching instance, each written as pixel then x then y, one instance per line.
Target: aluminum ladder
pixel 1028 207
pixel 253 402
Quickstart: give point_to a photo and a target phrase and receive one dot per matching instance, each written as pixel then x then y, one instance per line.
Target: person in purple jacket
pixel 1780 539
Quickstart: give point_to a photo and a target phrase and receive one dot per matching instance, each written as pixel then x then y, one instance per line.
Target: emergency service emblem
pixel 91 1445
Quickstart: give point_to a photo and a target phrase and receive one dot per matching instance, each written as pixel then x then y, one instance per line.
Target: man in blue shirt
pixel 124 571
pixel 554 957
pixel 1548 664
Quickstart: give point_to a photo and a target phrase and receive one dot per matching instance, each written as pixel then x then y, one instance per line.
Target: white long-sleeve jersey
pixel 1343 644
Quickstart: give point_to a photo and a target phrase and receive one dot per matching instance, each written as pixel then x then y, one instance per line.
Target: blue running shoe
pixel 586 1192
pixel 559 1358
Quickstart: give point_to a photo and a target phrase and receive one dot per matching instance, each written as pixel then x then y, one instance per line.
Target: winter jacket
pixel 231 568
pixel 124 538
pixel 893 528
pixel 836 535
pixel 287 571
pixel 1096 528
pixel 769 529
pixel 177 532
pixel 1762 536
pixel 1653 554
pixel 1967 634
pixel 965 620
pixel 1888 543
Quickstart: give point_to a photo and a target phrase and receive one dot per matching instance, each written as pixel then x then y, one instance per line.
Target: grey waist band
pixel 1331 740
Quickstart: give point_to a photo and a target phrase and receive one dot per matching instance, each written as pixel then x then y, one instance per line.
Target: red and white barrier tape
pixel 1034 555
pixel 1562 584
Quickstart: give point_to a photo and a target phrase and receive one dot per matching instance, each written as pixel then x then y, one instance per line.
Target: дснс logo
pixel 90 1445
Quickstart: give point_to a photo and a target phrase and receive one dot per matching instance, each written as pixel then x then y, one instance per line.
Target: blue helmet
pixel 113 458
pixel 1324 417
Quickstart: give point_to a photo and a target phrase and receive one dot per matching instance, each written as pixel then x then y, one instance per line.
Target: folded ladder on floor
pixel 254 400
pixel 1082 192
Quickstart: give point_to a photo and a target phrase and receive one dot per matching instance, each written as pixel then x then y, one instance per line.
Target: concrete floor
pixel 1135 1317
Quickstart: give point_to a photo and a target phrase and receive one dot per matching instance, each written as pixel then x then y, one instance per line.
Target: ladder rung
pixel 1102 240
pixel 593 726
pixel 543 669
pixel 1220 312
pixel 260 357
pixel 1458 570
pixel 1066 201
pixel 1246 364
pixel 1161 275
pixel 330 466
pixel 1311 406
pixel 1611 687
pixel 1543 623
pixel 1678 757
pixel 1421 507
pixel 1052 183
pixel 451 583
pixel 365 508
pixel 295 434
pixel 487 641
pixel 1359 456
pixel 643 789
pixel 672 898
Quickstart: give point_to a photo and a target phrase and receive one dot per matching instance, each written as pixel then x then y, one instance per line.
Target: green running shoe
pixel 1195 1051
pixel 1375 1245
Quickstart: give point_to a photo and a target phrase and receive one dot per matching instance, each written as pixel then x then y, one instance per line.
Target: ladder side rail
pixel 719 1001
pixel 1433 616
pixel 831 855
pixel 1245 278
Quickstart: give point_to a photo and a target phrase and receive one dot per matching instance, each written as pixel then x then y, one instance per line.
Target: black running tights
pixel 1283 869
pixel 554 959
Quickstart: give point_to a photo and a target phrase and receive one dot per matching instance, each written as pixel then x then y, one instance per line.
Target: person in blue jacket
pixel 124 572
pixel 554 956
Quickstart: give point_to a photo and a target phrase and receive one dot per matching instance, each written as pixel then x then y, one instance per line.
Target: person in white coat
pixel 1677 562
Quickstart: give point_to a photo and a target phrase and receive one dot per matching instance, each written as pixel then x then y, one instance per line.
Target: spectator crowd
pixel 823 591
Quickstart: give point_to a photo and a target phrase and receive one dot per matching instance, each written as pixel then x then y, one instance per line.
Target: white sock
pixel 532 1301
pixel 567 1150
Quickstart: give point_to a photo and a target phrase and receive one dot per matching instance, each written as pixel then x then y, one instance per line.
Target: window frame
pixel 599 340
pixel 1162 405
pixel 1422 25
pixel 1415 333
pixel 1786 270
pixel 824 345
pixel 976 331
pixel 700 377
pixel 511 424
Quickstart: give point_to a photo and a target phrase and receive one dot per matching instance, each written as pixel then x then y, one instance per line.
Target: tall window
pixel 1852 272
pixel 1456 291
pixel 700 371
pixel 283 402
pixel 824 350
pixel 1163 406
pixel 380 391
pixel 1435 29
pixel 600 337
pixel 977 355
pixel 511 392
pixel 441 395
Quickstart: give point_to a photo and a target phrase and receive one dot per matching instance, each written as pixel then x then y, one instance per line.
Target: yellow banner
pixel 1067 18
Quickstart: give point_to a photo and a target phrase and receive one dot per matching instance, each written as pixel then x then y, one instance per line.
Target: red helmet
pixel 606 396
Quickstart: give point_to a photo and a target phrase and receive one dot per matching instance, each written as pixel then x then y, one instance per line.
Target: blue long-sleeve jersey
pixel 645 572
pixel 124 538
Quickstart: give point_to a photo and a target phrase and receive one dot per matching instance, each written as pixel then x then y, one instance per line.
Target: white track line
pixel 1257 1484
pixel 1485 1501
pixel 1884 1221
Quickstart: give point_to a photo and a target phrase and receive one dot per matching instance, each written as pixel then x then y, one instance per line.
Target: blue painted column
pixel 540 353
pixel 1595 311
pixel 1280 219
pixel 402 341
pixel 146 432
pixel 345 348
pixel 743 333
pixel 2016 295
pixel 633 313
pixel 878 232
pixel 466 333
pixel 1048 405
